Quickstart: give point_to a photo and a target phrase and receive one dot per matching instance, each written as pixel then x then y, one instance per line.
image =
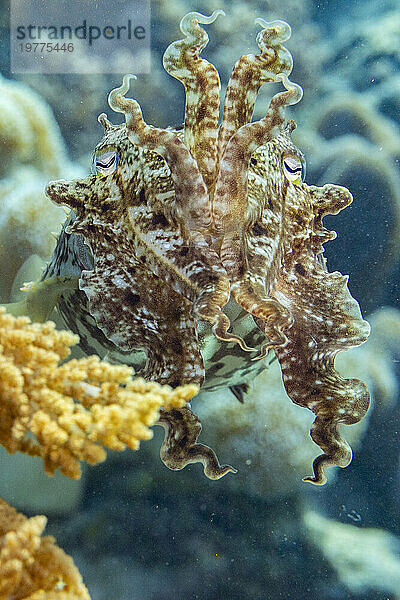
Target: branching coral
pixel 33 567
pixel 74 409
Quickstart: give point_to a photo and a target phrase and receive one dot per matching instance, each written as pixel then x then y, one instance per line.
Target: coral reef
pixel 29 132
pixel 367 53
pixel 381 355
pixel 73 409
pixel 33 567
pixel 364 559
pixel 349 140
pixel 61 92
pixel 32 152
pixel 26 223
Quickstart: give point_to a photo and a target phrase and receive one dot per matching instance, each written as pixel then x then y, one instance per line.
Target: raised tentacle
pixel 230 198
pixel 324 431
pixel 330 323
pixel 194 216
pixel 229 212
pixel 202 85
pixel 250 73
pixel 190 190
pixel 180 447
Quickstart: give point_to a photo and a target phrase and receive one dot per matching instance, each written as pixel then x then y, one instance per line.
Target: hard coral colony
pixel 173 224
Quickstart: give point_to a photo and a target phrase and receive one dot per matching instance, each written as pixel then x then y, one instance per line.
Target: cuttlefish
pixel 195 254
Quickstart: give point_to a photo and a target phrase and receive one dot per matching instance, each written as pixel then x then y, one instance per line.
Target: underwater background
pixel 136 529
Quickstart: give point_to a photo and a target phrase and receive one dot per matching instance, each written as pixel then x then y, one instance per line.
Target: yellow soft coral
pixel 32 567
pixel 75 409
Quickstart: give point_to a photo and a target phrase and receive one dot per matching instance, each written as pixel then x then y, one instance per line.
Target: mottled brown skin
pixel 132 306
pixel 180 447
pixel 189 219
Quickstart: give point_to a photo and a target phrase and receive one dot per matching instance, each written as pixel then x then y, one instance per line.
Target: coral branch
pixel 33 567
pixel 74 409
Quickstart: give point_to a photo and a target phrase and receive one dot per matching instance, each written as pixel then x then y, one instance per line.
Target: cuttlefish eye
pixel 105 163
pixel 293 168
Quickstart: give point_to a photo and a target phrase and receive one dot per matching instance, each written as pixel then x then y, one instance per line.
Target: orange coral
pixel 74 409
pixel 33 567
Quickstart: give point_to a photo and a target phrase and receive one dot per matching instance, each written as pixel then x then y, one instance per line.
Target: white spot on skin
pixel 119 282
pixel 165 195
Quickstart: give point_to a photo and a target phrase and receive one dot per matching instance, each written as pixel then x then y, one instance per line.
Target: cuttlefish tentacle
pixel 250 73
pixel 326 321
pixel 229 211
pixel 324 431
pixel 180 448
pixel 103 120
pixel 202 85
pixel 193 206
pixel 191 194
pixel 230 198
